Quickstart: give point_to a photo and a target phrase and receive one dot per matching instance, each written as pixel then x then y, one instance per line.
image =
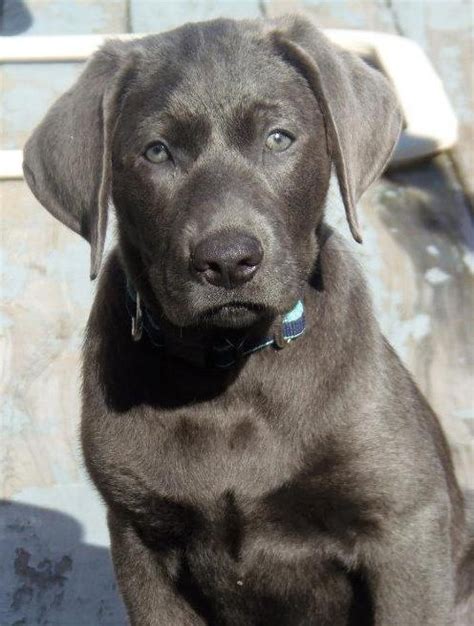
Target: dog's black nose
pixel 227 259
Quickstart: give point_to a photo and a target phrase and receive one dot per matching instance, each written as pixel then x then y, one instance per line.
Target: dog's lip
pixel 236 307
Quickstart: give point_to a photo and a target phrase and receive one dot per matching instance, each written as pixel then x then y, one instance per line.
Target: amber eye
pixel 278 141
pixel 157 153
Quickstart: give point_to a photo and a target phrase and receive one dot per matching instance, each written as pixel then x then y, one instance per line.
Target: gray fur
pixel 309 485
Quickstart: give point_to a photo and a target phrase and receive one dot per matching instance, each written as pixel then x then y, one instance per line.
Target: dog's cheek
pixel 303 198
pixel 143 222
pixel 309 197
pixel 140 203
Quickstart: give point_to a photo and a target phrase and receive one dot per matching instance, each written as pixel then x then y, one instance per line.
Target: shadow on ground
pixel 49 575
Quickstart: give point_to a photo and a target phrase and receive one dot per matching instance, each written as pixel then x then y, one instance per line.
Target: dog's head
pixel 214 143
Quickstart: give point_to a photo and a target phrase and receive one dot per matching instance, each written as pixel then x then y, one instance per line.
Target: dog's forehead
pixel 218 66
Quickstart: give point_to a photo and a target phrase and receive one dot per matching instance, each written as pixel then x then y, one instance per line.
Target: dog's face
pixel 214 143
pixel 219 179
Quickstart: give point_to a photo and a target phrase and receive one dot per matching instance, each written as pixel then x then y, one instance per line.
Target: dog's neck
pixel 221 348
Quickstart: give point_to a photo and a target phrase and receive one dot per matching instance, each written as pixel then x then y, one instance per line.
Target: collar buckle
pixel 280 341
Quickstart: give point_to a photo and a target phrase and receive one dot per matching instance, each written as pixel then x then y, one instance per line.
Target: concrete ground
pixel 419 256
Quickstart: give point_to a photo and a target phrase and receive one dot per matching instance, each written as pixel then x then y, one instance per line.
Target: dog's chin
pixel 234 315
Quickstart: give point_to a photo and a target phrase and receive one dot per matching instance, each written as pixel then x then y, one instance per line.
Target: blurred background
pixel 418 254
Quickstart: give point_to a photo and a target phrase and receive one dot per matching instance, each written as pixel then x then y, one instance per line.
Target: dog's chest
pixel 237 468
pixel 200 457
pixel 249 523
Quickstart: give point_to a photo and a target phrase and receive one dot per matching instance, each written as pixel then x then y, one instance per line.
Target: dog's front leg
pixel 411 572
pixel 144 584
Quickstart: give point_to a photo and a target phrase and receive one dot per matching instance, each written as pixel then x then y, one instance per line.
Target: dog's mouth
pixel 235 314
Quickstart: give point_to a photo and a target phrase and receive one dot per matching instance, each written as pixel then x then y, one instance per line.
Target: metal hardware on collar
pixel 137 320
pixel 279 337
pixel 224 353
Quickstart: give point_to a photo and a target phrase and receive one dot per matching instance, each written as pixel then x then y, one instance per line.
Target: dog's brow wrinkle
pixel 181 130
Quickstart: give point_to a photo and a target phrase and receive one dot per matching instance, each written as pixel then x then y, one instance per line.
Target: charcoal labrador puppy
pixel 264 456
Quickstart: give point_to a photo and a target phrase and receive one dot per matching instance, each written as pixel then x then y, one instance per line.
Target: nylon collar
pixel 222 353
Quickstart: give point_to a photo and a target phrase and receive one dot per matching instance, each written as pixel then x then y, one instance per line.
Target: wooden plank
pixel 28 90
pixel 148 16
pixel 65 17
pixel 46 295
pixel 357 14
pixel 445 30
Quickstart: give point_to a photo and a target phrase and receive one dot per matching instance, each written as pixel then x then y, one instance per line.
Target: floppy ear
pixel 359 107
pixel 67 159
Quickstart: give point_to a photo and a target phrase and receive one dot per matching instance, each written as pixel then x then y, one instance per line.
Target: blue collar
pixel 222 353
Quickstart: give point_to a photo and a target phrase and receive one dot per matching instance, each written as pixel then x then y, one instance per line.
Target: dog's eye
pixel 157 153
pixel 278 141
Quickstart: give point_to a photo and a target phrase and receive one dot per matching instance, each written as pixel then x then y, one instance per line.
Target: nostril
pixel 214 267
pixel 248 262
pixel 200 264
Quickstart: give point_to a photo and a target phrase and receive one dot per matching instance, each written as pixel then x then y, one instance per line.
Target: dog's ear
pixel 67 159
pixel 359 107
